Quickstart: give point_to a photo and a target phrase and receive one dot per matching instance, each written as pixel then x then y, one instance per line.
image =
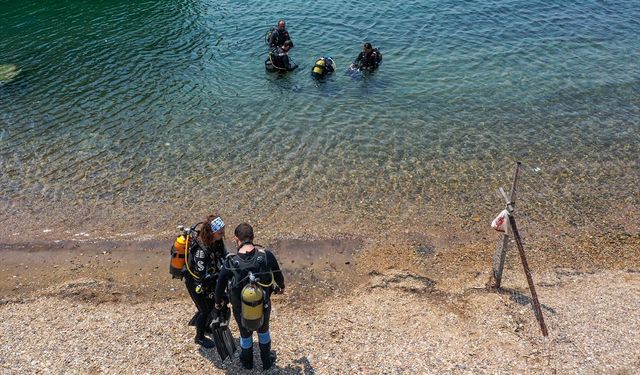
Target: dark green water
pixel 131 117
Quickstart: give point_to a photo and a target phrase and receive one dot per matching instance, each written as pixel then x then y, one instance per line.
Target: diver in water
pixel 205 256
pixel 251 276
pixel 278 58
pixel 323 66
pixel 368 59
pixel 279 35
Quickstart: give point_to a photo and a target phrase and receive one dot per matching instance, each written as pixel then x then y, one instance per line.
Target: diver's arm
pixel 274 38
pixel 357 63
pixel 223 279
pixel 289 39
pixel 278 277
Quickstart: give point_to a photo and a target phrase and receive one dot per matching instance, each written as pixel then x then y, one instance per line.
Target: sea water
pixel 132 117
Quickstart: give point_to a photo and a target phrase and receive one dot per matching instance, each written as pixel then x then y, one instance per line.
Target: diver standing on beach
pixel 251 276
pixel 205 255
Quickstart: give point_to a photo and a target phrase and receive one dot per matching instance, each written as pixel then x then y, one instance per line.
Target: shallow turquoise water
pixel 121 110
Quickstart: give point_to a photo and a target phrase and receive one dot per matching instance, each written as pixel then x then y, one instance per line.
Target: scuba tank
pixel 177 265
pixel 252 305
pixel 319 67
pixel 253 295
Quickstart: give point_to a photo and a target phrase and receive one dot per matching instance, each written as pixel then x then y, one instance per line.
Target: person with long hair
pixel 206 254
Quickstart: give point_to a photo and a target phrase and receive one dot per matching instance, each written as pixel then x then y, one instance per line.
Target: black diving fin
pixel 222 337
pixel 228 340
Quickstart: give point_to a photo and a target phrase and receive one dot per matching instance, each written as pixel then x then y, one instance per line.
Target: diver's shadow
pixel 300 366
pixel 231 365
pixel 213 357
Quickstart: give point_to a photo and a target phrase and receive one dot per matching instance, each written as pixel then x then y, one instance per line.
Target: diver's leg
pixel 246 337
pixel 264 341
pixel 201 320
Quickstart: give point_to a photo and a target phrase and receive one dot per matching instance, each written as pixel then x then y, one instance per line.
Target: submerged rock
pixel 8 72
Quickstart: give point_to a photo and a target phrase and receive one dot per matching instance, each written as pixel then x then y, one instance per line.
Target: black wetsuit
pixel 278 37
pixel 280 59
pixel 368 61
pixel 204 262
pixel 227 274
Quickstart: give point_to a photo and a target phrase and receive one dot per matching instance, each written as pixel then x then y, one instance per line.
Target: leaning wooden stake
pixel 525 265
pixel 503 244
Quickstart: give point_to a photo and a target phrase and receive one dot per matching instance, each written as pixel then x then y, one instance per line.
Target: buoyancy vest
pixel 281 36
pixel 247 274
pixel 378 56
pixel 202 259
pixel 276 57
pixel 240 268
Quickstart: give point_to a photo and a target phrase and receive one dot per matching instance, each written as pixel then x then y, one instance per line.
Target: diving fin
pixel 222 336
pixel 220 347
pixel 225 344
pixel 227 339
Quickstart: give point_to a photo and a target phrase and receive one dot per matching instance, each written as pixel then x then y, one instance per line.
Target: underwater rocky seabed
pixel 122 130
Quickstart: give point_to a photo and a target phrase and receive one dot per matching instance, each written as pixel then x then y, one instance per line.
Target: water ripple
pixel 125 106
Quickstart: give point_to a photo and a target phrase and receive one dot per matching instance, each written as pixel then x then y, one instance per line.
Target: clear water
pixel 131 117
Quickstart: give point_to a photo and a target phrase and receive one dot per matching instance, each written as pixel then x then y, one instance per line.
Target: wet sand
pixel 139 271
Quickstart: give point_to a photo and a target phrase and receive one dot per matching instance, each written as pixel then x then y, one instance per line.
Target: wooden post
pixel 503 244
pixel 498 261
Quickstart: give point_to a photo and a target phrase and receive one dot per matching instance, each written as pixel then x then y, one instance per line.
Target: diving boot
pixel 267 356
pixel 203 341
pixel 246 358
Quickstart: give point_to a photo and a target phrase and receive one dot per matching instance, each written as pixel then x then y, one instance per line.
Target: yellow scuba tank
pixel 177 265
pixel 318 68
pixel 252 298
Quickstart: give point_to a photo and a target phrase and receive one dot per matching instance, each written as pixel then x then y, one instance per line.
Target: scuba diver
pixel 204 257
pixel 323 66
pixel 279 35
pixel 368 59
pixel 251 276
pixel 278 59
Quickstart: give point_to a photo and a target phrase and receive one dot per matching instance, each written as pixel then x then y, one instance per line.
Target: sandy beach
pixel 111 307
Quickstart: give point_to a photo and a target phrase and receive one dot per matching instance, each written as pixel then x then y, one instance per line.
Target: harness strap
pixel 253 304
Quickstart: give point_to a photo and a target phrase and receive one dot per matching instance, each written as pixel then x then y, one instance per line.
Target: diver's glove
pixel 278 290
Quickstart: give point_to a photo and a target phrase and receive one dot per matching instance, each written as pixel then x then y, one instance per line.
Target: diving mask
pixel 217 224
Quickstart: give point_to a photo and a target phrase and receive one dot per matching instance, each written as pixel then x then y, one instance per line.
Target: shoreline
pixel 139 270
